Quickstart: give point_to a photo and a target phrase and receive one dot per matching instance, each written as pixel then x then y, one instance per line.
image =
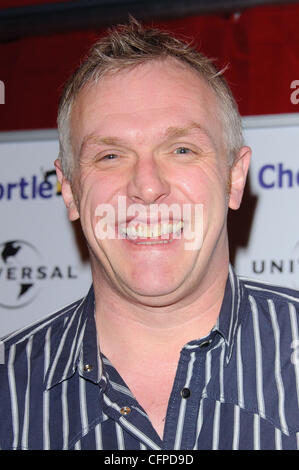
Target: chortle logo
pixel 18 260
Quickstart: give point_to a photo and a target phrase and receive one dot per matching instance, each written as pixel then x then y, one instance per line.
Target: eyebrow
pixel 176 132
pixel 171 132
pixel 96 139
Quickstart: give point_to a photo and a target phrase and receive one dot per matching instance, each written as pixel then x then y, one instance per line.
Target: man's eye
pixel 182 150
pixel 110 156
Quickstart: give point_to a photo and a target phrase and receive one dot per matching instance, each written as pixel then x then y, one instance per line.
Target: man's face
pixel 150 136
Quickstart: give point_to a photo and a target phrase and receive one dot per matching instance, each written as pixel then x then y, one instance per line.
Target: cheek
pixel 98 189
pixel 201 185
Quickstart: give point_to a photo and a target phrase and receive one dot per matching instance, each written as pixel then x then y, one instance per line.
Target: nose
pixel 147 184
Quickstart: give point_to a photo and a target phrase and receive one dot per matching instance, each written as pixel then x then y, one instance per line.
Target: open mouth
pixel 160 233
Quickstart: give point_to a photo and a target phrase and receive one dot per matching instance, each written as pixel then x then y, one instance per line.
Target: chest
pixel 154 400
pixel 152 390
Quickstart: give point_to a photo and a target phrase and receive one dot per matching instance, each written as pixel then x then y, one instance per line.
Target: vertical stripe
pixel 199 423
pixel 119 437
pixel 62 344
pixel 83 405
pixel 278 445
pixel 47 350
pixel 236 433
pixel 240 385
pixel 221 371
pixel 77 445
pixel 278 378
pixel 258 357
pixel 65 415
pixel 77 340
pixel 46 394
pixel 13 396
pixel 182 411
pixel 295 345
pixel 27 396
pixel 216 425
pixel 98 437
pixel 208 371
pixel 256 432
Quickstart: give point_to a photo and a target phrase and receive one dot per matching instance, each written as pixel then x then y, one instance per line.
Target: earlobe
pixel 67 193
pixel 238 177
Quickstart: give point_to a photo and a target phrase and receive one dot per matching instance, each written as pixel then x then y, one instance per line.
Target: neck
pixel 127 327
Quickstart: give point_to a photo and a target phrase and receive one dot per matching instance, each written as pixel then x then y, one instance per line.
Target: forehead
pixel 145 100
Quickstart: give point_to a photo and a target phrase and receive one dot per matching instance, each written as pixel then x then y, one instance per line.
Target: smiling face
pixel 151 135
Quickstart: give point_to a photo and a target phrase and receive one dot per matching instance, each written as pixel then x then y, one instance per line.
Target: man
pixel 170 349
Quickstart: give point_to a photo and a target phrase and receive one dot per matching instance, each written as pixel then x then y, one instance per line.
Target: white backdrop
pixel 272 252
pixel 41 267
pixel 38 249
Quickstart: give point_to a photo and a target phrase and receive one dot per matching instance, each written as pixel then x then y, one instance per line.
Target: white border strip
pixel 270 120
pixel 29 136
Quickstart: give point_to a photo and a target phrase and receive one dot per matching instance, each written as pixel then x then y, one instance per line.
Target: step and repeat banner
pixel 43 258
pixel 42 264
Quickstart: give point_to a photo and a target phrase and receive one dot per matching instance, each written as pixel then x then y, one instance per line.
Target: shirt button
pixel 125 410
pixel 185 393
pixel 87 368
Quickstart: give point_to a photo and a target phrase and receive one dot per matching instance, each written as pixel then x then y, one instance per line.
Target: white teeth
pixel 150 231
pixel 154 243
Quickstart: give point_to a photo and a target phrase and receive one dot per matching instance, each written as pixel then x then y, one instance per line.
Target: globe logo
pixel 19 261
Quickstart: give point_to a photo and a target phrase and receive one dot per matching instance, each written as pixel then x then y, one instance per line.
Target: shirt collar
pixel 231 311
pixel 76 345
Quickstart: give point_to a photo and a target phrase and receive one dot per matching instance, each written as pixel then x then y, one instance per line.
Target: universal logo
pixel 285 266
pixel 23 273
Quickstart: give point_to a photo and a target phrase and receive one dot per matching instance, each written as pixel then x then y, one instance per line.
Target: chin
pixel 151 287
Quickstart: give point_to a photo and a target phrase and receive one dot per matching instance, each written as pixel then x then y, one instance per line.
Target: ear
pixel 238 176
pixel 67 193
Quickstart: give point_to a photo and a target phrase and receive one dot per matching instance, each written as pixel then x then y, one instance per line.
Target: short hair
pixel 127 46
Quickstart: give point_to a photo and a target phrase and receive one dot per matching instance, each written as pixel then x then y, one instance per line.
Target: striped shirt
pixel 237 388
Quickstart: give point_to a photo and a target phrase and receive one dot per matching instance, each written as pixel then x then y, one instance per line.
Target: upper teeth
pixel 150 231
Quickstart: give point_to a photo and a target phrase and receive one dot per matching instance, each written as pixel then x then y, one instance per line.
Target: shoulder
pixel 268 300
pixel 270 351
pixel 273 312
pixel 26 356
pixel 36 333
pixel 265 290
